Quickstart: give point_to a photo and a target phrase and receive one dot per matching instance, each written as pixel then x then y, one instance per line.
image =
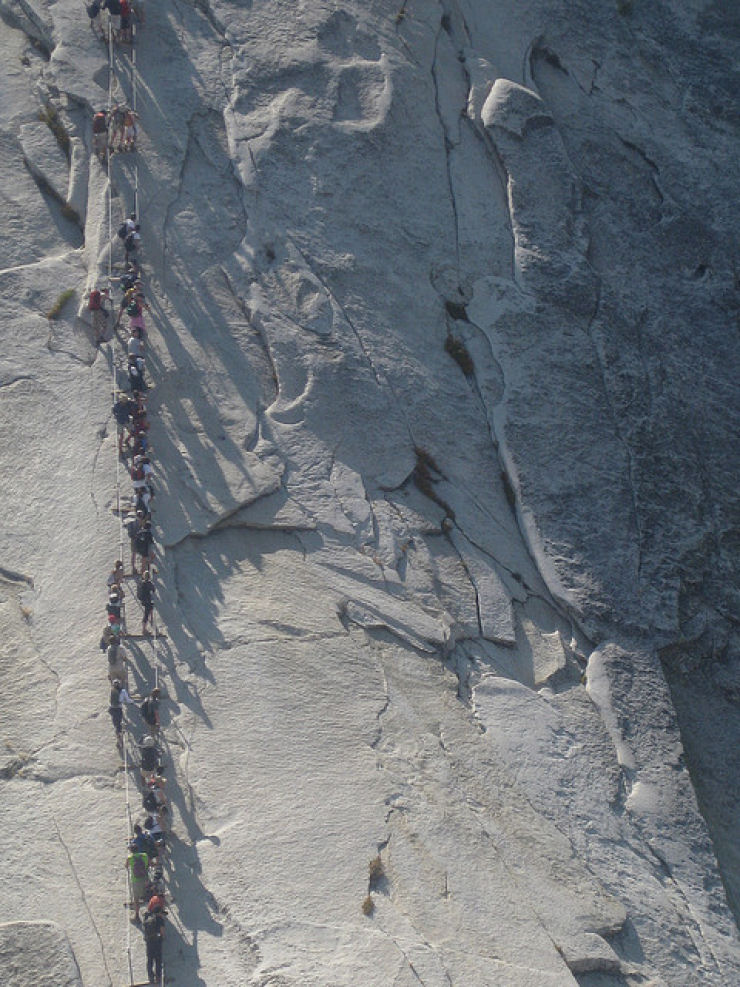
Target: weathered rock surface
pixel 444 343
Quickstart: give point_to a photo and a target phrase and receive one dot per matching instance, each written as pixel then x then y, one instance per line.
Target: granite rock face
pixel 444 347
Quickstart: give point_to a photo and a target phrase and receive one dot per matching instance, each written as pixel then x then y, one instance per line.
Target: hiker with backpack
pixel 143 544
pixel 108 637
pixel 153 929
pixel 132 241
pixel 123 410
pixel 145 595
pixel 149 761
pixel 137 865
pixel 114 606
pixel 155 800
pixel 150 714
pixel 96 305
pixel 126 227
pixel 154 830
pixel 136 375
pixel 135 305
pixel 144 844
pixel 117 662
pixel 118 698
pixel 134 523
pixel 116 575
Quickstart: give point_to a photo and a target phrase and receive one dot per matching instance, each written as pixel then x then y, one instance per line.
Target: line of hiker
pixel 132 305
pixel 119 125
pixel 120 22
pixel 115 129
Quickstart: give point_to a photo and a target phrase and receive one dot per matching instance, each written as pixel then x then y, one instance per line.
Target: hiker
pixel 154 830
pixel 108 637
pixel 126 227
pixel 140 439
pixel 116 126
pixel 115 603
pixel 130 276
pixel 114 9
pixel 132 241
pixel 149 758
pixel 136 374
pixel 137 865
pixel 93 12
pixel 156 888
pixel 100 134
pixel 144 502
pixel 143 545
pixel 141 477
pixel 134 523
pixel 155 800
pixel 117 662
pixel 125 22
pixel 150 714
pixel 145 595
pixel 144 844
pixel 96 305
pixel 116 575
pixel 135 344
pixel 135 310
pixel 156 901
pixel 118 697
pixel 130 130
pixel 123 410
pixel 153 929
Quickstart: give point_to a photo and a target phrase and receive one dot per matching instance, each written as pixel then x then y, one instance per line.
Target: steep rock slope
pixel 446 380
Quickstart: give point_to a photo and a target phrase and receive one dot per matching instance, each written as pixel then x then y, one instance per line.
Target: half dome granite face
pixel 425 373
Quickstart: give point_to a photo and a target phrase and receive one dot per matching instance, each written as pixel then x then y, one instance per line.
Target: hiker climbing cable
pixel 143 544
pixel 137 864
pixel 149 761
pixel 132 242
pixel 117 664
pixel 96 305
pixel 153 929
pixel 118 698
pixel 100 134
pixel 150 711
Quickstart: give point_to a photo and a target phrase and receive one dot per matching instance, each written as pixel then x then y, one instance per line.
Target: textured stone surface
pixel 444 331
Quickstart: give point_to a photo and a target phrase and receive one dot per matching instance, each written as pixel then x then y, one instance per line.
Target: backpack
pixel 133 307
pixel 149 802
pixel 94 300
pixel 125 8
pixel 143 597
pixel 151 926
pixel 123 231
pixel 93 9
pixel 130 241
pixel 139 865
